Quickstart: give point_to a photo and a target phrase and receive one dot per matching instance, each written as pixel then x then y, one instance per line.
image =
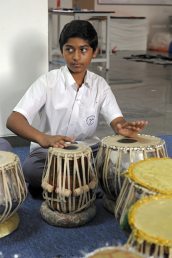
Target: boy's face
pixel 77 54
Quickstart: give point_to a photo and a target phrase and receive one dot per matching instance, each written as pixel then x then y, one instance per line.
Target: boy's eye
pixel 72 50
pixel 84 49
pixel 69 49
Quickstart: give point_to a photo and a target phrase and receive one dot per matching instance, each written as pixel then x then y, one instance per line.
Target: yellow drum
pixel 150 219
pixel 116 153
pixel 13 191
pixel 145 177
pixel 114 252
pixel 69 180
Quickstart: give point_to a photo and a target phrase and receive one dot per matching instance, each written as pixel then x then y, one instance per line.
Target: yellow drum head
pixel 113 252
pixel 151 220
pixel 141 141
pixel 154 174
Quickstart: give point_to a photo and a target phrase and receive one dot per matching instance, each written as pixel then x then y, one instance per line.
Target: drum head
pixel 141 141
pixel 154 174
pixel 7 158
pixel 113 252
pixel 73 148
pixel 93 143
pixel 150 219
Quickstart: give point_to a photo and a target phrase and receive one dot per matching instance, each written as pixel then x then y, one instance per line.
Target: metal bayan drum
pixel 69 183
pixel 13 191
pixel 115 155
pixel 145 177
pixel 150 219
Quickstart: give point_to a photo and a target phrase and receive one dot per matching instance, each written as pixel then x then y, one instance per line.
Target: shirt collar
pixel 69 80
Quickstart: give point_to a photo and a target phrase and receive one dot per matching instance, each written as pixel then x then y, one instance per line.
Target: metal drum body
pixel 129 194
pixel 13 191
pixel 115 155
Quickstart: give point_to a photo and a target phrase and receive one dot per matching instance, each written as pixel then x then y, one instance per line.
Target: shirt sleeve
pixel 109 109
pixel 33 99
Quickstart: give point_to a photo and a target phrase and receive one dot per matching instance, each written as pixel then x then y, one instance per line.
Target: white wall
pixel 23 50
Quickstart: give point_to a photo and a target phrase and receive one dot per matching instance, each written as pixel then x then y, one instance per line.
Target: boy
pixel 68 101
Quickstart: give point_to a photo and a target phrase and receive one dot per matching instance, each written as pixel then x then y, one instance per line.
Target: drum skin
pixel 114 252
pixel 150 220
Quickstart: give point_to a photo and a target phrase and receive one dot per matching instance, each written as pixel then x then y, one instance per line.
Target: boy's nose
pixel 76 55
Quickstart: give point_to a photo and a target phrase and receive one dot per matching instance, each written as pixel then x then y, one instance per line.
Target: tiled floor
pixel 143 91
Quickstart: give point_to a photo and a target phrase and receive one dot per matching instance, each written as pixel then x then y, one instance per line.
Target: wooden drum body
pixel 13 191
pixel 69 179
pixel 115 155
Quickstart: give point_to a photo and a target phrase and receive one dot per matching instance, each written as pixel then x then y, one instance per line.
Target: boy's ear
pixel 95 52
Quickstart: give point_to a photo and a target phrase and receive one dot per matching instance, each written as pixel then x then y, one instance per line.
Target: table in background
pixel 84 15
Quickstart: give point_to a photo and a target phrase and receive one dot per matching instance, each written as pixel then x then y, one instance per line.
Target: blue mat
pixel 34 238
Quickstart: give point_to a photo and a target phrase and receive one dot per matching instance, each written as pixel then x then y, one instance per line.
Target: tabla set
pixel 119 161
pixel 13 192
pixel 135 175
pixel 137 180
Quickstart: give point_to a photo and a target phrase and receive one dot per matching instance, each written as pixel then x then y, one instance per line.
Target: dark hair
pixel 79 29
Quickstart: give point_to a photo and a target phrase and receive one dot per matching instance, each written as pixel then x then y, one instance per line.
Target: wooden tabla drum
pixel 115 155
pixel 145 177
pixel 13 191
pixel 69 183
pixel 114 252
pixel 150 219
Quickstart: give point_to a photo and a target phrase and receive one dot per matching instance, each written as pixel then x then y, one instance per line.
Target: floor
pixel 143 91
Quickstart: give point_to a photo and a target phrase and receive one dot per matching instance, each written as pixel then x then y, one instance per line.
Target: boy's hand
pixel 131 129
pixel 58 141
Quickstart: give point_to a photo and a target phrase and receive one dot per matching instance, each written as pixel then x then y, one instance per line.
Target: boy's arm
pixel 128 129
pixel 19 125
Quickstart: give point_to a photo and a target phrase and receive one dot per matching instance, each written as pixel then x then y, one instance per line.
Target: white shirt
pixel 63 109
